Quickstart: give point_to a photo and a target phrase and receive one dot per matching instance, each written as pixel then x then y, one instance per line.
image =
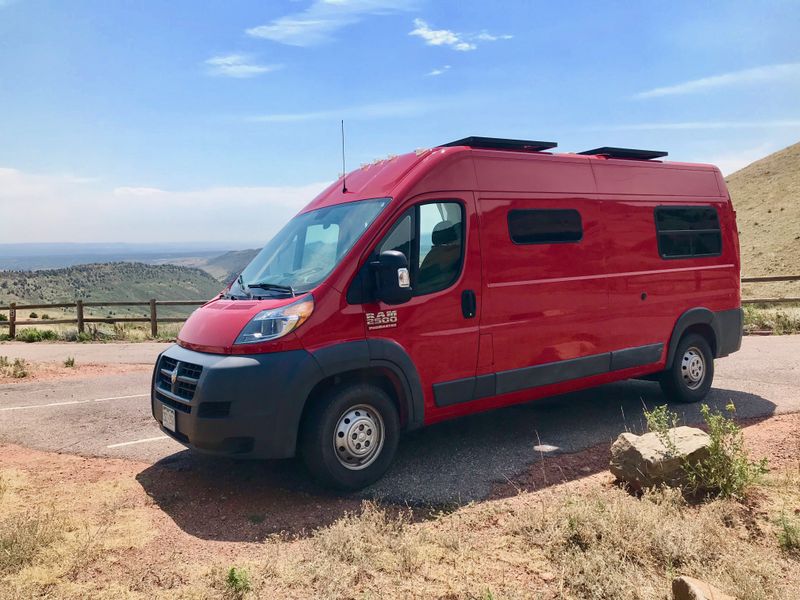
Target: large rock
pixel 643 461
pixel 689 588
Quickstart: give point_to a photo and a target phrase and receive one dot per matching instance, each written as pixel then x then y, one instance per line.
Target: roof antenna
pixel 344 168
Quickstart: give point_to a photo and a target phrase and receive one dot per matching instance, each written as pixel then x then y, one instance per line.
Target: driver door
pixel 438 327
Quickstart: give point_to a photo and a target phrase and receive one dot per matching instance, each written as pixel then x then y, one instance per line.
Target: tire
pixel 692 372
pixel 341 433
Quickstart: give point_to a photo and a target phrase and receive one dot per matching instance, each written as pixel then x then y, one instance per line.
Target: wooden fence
pixel 80 319
pixel 788 300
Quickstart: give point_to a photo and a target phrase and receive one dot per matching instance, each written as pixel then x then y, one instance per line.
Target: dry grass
pixel 779 320
pixel 101 332
pixel 582 540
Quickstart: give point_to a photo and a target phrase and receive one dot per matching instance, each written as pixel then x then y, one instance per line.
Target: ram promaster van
pixel 475 275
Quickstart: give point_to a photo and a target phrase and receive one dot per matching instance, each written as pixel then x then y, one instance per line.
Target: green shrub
pixel 69 362
pixel 46 317
pixel 728 471
pixel 33 315
pixel 3 317
pixel 237 582
pixel 660 420
pixel 36 335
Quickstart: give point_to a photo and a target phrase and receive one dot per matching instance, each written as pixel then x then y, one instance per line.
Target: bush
pixel 237 582
pixel 17 369
pixel 3 317
pixel 33 315
pixel 728 471
pixel 46 317
pixel 36 335
pixel 69 362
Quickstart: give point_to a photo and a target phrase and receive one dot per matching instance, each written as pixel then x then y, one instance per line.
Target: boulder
pixel 689 588
pixel 643 461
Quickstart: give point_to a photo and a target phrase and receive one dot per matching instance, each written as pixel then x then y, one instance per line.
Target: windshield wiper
pixel 265 285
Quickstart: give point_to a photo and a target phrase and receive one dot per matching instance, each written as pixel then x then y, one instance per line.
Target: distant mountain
pixel 34 256
pixel 108 281
pixel 766 196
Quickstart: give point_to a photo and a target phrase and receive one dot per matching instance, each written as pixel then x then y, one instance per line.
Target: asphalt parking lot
pixel 455 462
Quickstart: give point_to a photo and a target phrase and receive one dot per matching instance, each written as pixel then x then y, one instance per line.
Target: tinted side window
pixel 687 231
pixel 544 226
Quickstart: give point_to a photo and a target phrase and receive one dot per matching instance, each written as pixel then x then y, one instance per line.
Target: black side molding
pixel 514 380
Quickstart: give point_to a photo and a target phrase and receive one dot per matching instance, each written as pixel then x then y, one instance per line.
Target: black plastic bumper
pixel 730 324
pixel 236 405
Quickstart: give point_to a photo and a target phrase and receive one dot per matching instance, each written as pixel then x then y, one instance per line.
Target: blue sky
pixel 221 118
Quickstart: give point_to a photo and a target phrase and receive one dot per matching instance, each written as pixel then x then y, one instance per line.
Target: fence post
pixel 153 318
pixel 79 310
pixel 12 320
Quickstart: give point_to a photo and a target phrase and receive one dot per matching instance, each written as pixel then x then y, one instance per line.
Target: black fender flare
pixel 383 353
pixel 693 316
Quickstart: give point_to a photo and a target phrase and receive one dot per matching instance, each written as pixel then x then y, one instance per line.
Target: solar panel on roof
pixel 502 144
pixel 625 153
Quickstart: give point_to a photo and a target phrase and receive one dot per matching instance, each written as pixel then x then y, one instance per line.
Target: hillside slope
pixel 766 196
pixel 107 281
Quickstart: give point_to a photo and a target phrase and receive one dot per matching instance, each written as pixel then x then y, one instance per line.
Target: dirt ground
pixel 138 530
pixel 49 371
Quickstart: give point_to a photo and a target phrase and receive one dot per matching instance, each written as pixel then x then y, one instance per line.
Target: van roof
pixel 511 165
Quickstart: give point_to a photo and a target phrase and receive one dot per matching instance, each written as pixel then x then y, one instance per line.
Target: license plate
pixel 168 417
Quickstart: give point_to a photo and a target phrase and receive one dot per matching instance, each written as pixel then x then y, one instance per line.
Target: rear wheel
pixel 692 372
pixel 350 436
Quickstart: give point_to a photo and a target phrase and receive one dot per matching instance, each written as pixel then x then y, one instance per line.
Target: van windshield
pixel 307 249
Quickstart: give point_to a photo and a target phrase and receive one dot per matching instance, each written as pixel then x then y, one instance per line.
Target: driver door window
pixel 431 237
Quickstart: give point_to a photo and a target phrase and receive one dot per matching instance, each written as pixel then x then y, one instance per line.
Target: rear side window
pixel 687 231
pixel 544 226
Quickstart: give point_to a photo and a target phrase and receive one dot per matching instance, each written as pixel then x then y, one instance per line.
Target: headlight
pixel 277 322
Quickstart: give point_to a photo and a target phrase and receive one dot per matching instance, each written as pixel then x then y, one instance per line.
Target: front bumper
pixel 234 405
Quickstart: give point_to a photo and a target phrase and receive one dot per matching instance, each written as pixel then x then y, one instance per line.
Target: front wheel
pixel 692 372
pixel 350 436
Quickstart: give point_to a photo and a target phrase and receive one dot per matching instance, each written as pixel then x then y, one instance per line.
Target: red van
pixel 440 283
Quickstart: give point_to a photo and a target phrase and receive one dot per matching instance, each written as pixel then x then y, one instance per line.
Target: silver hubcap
pixel 358 437
pixel 693 368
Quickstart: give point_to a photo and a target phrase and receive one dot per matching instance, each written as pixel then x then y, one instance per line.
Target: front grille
pixel 179 406
pixel 177 379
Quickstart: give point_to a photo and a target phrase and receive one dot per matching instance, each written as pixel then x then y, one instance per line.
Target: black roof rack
pixel 626 153
pixel 502 144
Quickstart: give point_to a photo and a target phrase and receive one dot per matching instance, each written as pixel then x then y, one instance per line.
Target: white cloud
pixel 690 125
pixel 69 209
pixel 439 71
pixel 463 42
pixel 320 21
pixel 240 66
pixel 765 74
pixel 379 110
pixel 440 37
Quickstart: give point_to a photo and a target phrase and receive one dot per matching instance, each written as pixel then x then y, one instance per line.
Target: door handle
pixel 469 304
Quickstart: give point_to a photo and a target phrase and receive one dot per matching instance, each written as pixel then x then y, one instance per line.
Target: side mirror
pixel 393 278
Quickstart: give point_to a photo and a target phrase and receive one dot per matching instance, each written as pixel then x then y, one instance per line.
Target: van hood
pixel 215 326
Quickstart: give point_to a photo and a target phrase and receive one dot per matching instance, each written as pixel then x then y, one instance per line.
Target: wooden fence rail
pixel 771 301
pixel 80 319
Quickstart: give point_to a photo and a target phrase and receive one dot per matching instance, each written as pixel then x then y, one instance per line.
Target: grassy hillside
pixel 766 196
pixel 107 281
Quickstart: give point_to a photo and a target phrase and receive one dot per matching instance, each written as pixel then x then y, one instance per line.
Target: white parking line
pixel 70 402
pixel 145 440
